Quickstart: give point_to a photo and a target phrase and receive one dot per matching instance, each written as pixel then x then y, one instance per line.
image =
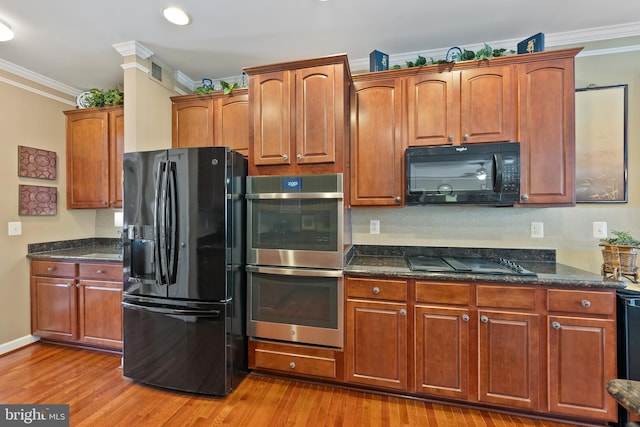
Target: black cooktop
pixel 466 265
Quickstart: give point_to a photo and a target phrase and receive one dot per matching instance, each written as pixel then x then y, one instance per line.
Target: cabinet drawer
pixel 395 290
pixel 581 302
pixel 443 293
pixel 506 297
pixel 53 268
pixel 295 360
pixel 100 271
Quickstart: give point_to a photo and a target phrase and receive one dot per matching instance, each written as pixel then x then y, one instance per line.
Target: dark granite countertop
pixel 390 261
pixel 90 249
pixel 627 392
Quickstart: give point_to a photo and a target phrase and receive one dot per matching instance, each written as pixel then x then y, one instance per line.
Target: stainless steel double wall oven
pixel 298 229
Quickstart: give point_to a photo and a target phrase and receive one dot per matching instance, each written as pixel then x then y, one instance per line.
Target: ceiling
pixel 71 41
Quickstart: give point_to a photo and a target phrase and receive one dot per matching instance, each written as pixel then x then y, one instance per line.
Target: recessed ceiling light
pixel 6 33
pixel 177 16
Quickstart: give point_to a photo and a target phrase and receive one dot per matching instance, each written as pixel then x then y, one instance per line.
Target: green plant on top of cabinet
pixel 299 116
pixel 213 119
pixel 95 143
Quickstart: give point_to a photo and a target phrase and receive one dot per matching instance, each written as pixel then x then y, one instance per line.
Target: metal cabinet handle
pixel 285 157
pixel 376 290
pixel 465 317
pixel 99 271
pixel 398 199
pixel 104 203
pixel 465 137
pixel 525 197
pixel 78 285
pixel 450 138
pixel 484 319
pixel 555 325
pixel 403 312
pixel 50 269
pixel 586 303
pixel 69 285
pixel 299 157
pixel 292 365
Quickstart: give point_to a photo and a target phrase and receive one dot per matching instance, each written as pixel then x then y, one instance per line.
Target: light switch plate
pixel 599 229
pixel 15 228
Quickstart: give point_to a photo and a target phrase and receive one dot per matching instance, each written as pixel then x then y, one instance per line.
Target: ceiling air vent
pixel 156 71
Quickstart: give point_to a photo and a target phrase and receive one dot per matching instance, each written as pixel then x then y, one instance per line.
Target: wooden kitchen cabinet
pixel 508 346
pixel 582 353
pixel 462 107
pixel 209 120
pixel 77 303
pixel 299 117
pixel 377 147
pixel 95 144
pixel 376 352
pixel 443 329
pixel 547 129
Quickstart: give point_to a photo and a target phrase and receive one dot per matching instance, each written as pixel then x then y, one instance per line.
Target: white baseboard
pixel 17 343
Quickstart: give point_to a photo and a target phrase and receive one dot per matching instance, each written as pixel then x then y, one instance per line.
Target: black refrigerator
pixel 184 299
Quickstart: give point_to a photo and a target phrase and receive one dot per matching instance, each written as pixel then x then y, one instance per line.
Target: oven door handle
pixel 294 196
pixel 312 272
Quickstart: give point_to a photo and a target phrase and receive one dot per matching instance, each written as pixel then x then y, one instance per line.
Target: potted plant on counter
pixel 620 255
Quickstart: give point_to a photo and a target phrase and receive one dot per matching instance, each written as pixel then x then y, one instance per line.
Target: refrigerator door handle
pixel 174 311
pixel 172 223
pixel 158 221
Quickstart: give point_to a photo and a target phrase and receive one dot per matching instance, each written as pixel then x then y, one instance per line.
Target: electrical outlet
pixel 599 229
pixel 537 230
pixel 15 228
pixel 374 226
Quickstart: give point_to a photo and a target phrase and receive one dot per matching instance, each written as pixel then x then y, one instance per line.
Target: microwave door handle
pixel 497 172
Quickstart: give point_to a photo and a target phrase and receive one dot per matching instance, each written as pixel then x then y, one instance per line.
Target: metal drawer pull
pixel 292 365
pixel 586 303
pixel 99 271
pixel 403 312
pixel 376 290
pixel 555 325
pixel 484 319
pixel 465 317
pixel 50 269
pixel 285 157
pixel 78 285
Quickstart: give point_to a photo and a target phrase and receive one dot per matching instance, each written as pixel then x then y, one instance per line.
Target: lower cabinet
pixel 77 303
pixel 376 351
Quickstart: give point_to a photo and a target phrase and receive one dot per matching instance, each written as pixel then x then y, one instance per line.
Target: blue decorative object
pixel 207 83
pixel 378 61
pixel 453 54
pixel 532 44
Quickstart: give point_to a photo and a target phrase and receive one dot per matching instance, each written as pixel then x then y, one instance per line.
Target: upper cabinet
pixel 95 143
pixel 299 116
pixel 462 107
pixel 547 129
pixel 211 120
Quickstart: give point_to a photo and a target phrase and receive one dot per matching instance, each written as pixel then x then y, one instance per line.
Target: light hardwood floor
pixel 91 382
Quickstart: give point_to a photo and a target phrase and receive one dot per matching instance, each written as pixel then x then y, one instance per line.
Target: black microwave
pixel 480 174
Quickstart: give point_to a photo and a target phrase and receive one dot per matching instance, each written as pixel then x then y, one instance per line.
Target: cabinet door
pixel 53 308
pixel 192 123
pixel 231 123
pixel 271 95
pixel 547 132
pixel 116 149
pixel 100 313
pixel 376 345
pixel 433 114
pixel 582 358
pixel 442 351
pixel 488 105
pixel 315 117
pixel 88 159
pixel 508 364
pixel 377 147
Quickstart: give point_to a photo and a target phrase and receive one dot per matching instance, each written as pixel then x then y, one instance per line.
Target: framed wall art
pixel 36 163
pixel 38 200
pixel 601 144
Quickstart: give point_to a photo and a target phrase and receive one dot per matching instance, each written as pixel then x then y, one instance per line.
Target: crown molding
pixel 37 78
pixel 132 48
pixel 130 65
